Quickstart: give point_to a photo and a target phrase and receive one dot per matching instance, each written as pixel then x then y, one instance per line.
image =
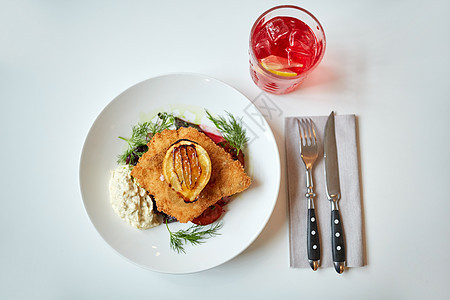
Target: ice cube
pixel 277 29
pixel 262 48
pixel 262 45
pixel 302 41
pixel 297 51
pixel 300 57
pixel 302 47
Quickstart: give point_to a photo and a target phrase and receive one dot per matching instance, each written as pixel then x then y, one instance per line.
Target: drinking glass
pixel 286 44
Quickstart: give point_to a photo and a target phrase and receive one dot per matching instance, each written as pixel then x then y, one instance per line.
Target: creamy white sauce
pixel 131 202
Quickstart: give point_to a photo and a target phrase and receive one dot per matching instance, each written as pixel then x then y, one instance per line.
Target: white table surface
pixel 61 62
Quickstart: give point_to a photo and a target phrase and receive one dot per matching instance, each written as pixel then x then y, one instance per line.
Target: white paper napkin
pixel 349 205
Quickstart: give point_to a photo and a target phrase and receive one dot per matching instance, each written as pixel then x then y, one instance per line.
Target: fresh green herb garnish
pixel 141 135
pixel 137 144
pixel 167 120
pixel 231 129
pixel 194 235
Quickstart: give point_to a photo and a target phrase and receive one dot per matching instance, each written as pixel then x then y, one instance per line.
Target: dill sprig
pixel 136 144
pixel 195 234
pixel 231 129
pixel 141 134
pixel 165 121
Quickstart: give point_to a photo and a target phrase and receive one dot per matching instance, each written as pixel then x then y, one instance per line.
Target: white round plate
pixel 187 95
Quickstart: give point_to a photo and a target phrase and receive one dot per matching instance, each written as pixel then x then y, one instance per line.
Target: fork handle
pixel 313 242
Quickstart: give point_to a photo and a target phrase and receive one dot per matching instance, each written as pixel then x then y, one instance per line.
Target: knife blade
pixel 333 191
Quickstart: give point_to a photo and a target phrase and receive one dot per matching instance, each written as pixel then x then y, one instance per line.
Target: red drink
pixel 286 44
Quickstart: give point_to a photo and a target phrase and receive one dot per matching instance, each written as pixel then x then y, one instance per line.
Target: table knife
pixel 333 191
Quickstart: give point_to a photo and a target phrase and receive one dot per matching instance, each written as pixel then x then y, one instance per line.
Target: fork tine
pixel 300 130
pixel 307 132
pixel 314 139
pixel 308 127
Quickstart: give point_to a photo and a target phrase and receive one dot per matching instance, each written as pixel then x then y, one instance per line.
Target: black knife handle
pixel 313 236
pixel 337 238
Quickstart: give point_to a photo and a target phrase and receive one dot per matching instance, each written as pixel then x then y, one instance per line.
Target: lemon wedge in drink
pixel 285 73
pixel 279 65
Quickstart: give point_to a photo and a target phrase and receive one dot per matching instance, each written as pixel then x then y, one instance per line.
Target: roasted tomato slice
pixel 224 201
pixel 233 152
pixel 210 215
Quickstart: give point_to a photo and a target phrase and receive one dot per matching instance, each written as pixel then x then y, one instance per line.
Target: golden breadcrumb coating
pixel 227 175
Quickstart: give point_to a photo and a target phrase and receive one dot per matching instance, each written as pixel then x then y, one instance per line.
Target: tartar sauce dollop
pixel 130 201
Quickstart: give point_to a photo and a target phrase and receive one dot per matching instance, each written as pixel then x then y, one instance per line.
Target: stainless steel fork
pixel 309 151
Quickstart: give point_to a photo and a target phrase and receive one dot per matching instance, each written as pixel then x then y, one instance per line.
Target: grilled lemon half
pixel 187 169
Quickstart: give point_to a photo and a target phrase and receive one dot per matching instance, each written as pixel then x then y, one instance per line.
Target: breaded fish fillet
pixel 227 175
